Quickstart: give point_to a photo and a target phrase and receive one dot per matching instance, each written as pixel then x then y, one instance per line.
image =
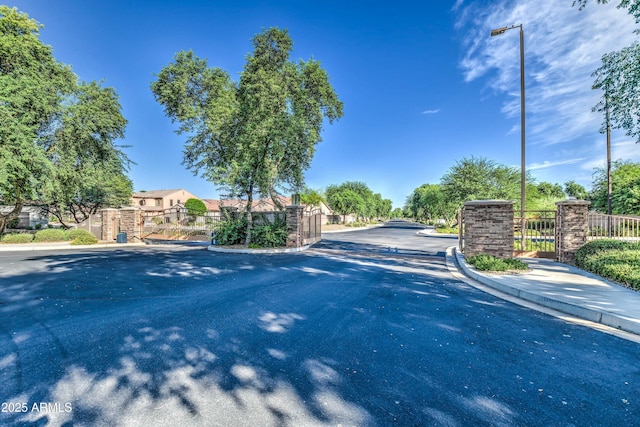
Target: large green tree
pixel 619 79
pixel 256 136
pixel 32 87
pixel 56 136
pixel 89 170
pixel 625 183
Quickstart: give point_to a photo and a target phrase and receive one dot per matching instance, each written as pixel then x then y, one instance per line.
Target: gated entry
pixel 311 226
pixel 537 238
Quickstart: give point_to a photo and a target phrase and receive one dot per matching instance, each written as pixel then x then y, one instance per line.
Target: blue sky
pixel 423 83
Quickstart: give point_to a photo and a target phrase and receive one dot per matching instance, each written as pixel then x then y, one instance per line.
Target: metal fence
pixel 602 226
pixel 311 226
pixel 535 236
pixel 178 223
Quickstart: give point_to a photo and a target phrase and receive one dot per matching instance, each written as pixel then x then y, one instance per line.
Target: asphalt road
pixel 367 328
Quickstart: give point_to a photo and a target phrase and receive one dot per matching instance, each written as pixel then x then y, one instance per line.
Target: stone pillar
pixel 488 228
pixel 572 226
pixel 131 223
pixel 294 225
pixel 110 225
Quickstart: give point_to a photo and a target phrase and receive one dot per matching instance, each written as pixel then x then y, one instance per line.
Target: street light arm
pixel 502 30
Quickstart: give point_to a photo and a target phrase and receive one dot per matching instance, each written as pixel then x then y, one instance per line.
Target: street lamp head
pixel 498 31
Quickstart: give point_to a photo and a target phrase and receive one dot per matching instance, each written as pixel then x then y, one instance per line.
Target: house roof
pixel 156 193
pixel 264 204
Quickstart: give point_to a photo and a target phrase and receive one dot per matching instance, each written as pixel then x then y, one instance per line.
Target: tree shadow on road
pixel 165 337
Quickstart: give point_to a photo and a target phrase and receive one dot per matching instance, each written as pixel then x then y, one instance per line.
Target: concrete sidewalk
pixel 563 288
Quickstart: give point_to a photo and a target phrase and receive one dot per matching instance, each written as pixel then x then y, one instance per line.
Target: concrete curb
pixel 258 251
pixel 346 230
pixel 61 246
pixel 597 316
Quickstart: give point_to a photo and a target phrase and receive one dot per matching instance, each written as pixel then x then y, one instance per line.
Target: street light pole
pixel 523 174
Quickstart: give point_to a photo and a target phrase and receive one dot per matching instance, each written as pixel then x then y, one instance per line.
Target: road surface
pixel 368 328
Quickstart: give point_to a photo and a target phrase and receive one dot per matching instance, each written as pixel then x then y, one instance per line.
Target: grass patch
pixel 484 262
pixel 440 228
pixel 612 259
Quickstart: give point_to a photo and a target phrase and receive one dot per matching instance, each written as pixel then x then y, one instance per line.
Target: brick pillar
pixel 572 226
pixel 110 224
pixel 488 228
pixel 131 223
pixel 294 225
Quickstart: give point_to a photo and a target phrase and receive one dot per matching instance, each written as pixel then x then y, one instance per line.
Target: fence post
pixel 131 222
pixel 294 225
pixel 572 226
pixel 488 228
pixel 110 224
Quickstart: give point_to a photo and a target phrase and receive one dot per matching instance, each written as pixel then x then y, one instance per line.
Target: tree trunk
pixel 247 240
pixel 13 214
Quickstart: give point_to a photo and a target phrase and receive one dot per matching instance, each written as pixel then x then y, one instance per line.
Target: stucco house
pixel 259 205
pixel 160 200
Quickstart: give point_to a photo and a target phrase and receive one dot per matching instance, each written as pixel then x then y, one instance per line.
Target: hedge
pixel 51 235
pixel 18 238
pixel 79 236
pixel 612 259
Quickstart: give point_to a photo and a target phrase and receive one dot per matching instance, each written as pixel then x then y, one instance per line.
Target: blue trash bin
pixel 121 238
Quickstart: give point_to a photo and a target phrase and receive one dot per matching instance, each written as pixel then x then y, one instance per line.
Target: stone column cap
pixel 573 202
pixel 490 202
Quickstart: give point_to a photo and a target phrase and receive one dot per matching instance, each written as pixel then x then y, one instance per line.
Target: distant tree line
pixel 481 179
pixel 350 198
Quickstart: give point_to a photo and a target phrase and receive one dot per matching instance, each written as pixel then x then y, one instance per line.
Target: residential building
pixel 160 200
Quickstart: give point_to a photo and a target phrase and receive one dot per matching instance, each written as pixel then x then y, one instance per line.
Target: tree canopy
pixel 195 207
pixel 356 198
pixel 480 178
pixel 573 189
pixel 625 189
pixel 619 79
pixel 632 5
pixel 429 203
pixel 50 124
pixel 256 136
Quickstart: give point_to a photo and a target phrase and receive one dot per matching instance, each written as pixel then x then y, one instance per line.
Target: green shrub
pixel 231 231
pixel 18 238
pixel 612 259
pixel 357 224
pixel 269 235
pixel 51 235
pixel 79 236
pixel 13 223
pixel 484 262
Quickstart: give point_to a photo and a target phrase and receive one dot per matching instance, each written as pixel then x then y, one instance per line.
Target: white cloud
pixel 436 111
pixel 548 164
pixel 563 46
